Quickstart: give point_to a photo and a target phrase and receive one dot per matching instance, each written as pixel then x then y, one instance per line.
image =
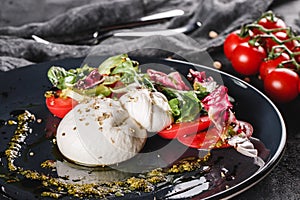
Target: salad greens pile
pixel 190 101
pixel 90 81
pixel 119 73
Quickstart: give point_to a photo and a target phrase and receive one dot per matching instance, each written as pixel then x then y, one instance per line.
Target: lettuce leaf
pixel 107 66
pixel 127 71
pixel 185 105
pixel 121 66
pixel 62 79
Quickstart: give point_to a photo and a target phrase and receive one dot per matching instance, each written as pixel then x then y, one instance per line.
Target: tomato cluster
pixel 269 48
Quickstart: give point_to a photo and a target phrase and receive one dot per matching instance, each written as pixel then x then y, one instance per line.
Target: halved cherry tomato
pixel 179 129
pixel 59 106
pixel 202 140
pixel 210 138
pixel 268 65
pixel 231 42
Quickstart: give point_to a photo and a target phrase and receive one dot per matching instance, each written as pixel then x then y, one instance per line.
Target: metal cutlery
pixel 87 35
pixel 147 20
pixel 164 32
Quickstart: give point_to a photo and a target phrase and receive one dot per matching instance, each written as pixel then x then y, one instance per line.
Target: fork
pixel 97 37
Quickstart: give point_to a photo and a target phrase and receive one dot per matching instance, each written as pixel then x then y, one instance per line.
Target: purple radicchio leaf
pixel 200 77
pixel 218 106
pixel 94 78
pixel 197 76
pixel 172 80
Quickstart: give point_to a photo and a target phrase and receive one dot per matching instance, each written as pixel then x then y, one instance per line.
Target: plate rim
pixel 255 177
pixel 271 164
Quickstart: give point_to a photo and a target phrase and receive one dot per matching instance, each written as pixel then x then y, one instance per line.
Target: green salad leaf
pixel 121 66
pixel 107 66
pixel 127 70
pixel 62 79
pixel 200 90
pixel 185 105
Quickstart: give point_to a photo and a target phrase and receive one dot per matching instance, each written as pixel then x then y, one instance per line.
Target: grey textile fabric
pixel 17 48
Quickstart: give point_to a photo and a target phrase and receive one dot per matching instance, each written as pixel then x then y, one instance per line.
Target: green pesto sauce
pixel 143 183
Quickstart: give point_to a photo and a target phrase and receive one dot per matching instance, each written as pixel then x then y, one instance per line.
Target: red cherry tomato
pixel 209 138
pixel 282 36
pixel 296 50
pixel 202 140
pixel 281 85
pixel 178 129
pixel 246 59
pixel 268 65
pixel 231 41
pixel 269 22
pixel 60 106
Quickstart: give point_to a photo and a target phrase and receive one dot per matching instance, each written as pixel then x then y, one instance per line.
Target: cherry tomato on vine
pixel 270 22
pixel 178 129
pixel 231 41
pixel 282 36
pixel 282 85
pixel 246 59
pixel 270 64
pixel 296 50
pixel 59 106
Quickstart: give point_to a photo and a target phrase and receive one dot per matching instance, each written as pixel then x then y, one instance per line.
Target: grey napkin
pixel 17 48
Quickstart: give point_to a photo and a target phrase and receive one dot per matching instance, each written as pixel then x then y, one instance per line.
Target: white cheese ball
pixel 150 109
pixel 99 132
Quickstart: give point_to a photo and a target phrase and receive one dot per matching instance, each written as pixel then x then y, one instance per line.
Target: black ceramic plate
pixel 230 172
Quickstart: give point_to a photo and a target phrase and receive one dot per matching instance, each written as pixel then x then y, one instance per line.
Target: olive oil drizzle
pixel 57 187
